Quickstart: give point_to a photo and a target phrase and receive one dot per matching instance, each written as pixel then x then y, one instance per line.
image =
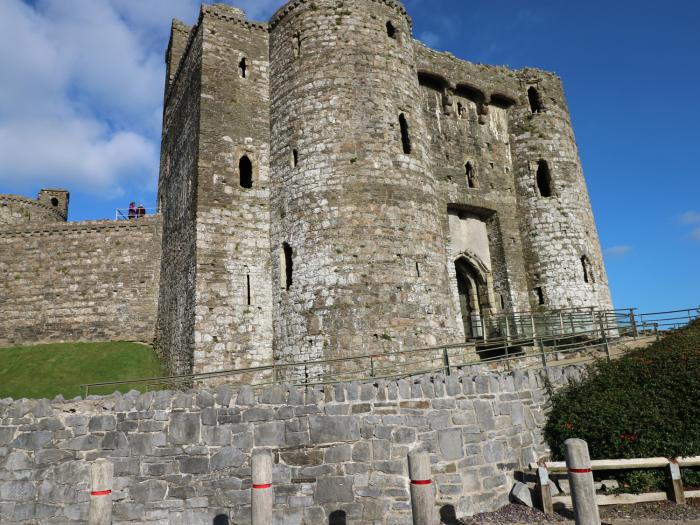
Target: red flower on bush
pixel 630 438
pixel 568 425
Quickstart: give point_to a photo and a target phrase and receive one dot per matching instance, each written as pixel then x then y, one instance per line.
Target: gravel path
pixel 661 511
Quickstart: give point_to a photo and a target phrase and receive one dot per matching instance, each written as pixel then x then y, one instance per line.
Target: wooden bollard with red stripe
pixel 101 477
pixel 262 493
pixel 422 490
pixel 578 465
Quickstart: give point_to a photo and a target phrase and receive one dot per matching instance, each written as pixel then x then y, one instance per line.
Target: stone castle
pixel 329 187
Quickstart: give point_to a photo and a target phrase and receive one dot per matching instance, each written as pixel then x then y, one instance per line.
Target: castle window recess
pixel 471 175
pixel 243 67
pixel 405 138
pixel 247 280
pixel 540 295
pixel 286 266
pixel 54 201
pixel 296 42
pixel 391 30
pixel 535 100
pixel 544 179
pixel 294 158
pixel 587 270
pixel 245 169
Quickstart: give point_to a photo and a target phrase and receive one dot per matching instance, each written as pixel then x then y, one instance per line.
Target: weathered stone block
pixel 334 489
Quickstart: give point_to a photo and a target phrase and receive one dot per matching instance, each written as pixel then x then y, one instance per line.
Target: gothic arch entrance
pixel 473 296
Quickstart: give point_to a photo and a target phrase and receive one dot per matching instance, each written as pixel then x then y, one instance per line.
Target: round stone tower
pixel 359 264
pixel 563 257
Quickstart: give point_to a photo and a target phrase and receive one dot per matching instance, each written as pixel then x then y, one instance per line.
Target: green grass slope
pixel 51 369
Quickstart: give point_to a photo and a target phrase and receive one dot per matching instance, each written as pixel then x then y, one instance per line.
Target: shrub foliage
pixel 645 404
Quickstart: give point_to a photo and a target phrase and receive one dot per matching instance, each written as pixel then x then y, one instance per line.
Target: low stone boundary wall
pixel 184 457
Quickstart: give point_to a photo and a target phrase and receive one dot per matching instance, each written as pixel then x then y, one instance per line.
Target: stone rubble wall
pixel 92 281
pixel 184 457
pixel 16 210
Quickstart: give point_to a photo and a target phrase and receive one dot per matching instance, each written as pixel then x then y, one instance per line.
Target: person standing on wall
pixel 140 211
pixel 132 210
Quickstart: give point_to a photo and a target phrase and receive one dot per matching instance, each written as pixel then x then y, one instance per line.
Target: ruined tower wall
pixel 90 281
pixel 18 210
pixel 557 230
pixel 177 190
pixel 361 216
pixel 233 325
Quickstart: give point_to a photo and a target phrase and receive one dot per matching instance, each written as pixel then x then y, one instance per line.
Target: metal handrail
pixel 599 330
pixel 122 214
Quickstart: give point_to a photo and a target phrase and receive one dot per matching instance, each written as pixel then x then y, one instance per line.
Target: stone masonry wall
pixel 184 458
pixel 233 322
pixel 16 210
pixel 177 190
pixel 358 211
pixel 79 281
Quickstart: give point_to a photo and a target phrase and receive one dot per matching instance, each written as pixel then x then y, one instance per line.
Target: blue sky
pixel 82 99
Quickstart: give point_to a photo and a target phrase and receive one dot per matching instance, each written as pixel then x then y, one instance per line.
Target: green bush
pixel 642 405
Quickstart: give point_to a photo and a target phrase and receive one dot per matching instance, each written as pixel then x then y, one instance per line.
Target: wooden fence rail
pixel 675 493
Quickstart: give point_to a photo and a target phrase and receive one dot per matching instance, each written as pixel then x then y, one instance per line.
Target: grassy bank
pixel 51 369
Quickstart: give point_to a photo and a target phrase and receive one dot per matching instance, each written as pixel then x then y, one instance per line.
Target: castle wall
pixel 79 281
pixel 18 210
pixel 360 214
pixel 177 191
pixel 464 129
pixel 233 325
pixel 184 458
pixel 559 230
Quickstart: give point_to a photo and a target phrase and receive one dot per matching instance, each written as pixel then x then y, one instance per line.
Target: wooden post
pixel 578 465
pixel 422 492
pixel 262 494
pixel 101 478
pixel 604 335
pixel 676 493
pixel 542 354
pixel 544 491
pixel 633 324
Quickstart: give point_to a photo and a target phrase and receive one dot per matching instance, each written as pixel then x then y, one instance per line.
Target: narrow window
pixel 460 110
pixel 296 42
pixel 471 176
pixel 405 139
pixel 54 201
pixel 540 295
pixel 503 302
pixel 243 66
pixel 247 280
pixel 286 265
pixel 295 158
pixel 544 179
pixel 417 269
pixel 245 168
pixel 391 30
pixel 587 270
pixel 535 101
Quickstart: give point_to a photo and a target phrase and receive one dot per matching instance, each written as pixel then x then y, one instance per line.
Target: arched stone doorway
pixel 472 288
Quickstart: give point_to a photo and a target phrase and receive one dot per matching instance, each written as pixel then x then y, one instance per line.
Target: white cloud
pixel 81 98
pixel 695 234
pixel 618 251
pixel 690 217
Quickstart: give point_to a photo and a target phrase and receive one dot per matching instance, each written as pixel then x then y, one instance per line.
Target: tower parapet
pixel 49 206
